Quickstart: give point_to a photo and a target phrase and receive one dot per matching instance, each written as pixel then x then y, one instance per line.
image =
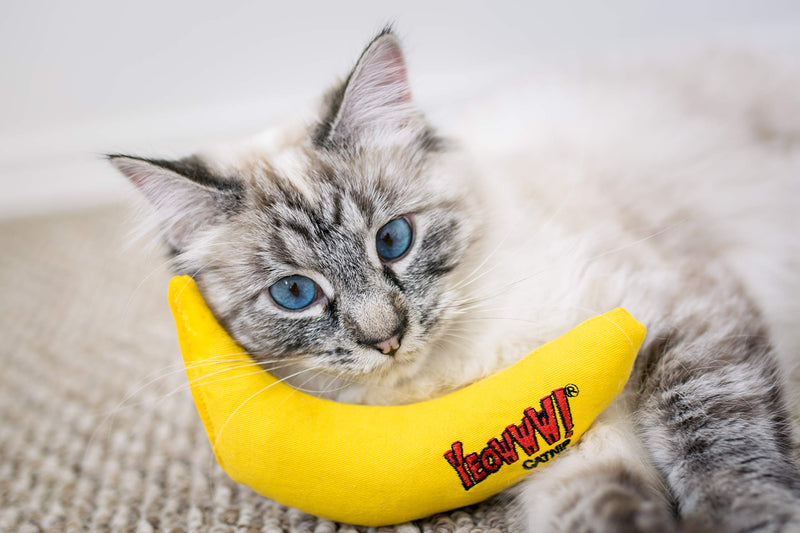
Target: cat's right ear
pixel 374 100
pixel 184 193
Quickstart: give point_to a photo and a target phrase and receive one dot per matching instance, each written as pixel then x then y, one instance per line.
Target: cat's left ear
pixel 187 197
pixel 375 99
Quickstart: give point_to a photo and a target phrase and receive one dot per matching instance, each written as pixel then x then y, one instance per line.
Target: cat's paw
pixel 785 520
pixel 618 511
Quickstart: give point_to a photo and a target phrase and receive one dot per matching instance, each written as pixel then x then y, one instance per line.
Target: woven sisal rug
pixel 98 431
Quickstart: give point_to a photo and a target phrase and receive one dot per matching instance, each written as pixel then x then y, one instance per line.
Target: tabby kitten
pixel 366 257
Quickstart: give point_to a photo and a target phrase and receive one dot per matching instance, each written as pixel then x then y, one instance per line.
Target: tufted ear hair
pixel 375 98
pixel 184 193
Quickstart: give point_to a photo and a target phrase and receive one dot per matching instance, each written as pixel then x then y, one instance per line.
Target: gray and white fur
pixel 653 195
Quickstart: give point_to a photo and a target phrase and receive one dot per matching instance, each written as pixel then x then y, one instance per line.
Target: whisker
pixel 347 383
pixel 639 241
pixel 333 378
pixel 199 380
pixel 127 305
pixel 455 335
pixel 448 340
pixel 233 358
pixel 467 281
pixel 231 365
pixel 245 402
pixel 567 197
pixel 502 289
pixel 300 388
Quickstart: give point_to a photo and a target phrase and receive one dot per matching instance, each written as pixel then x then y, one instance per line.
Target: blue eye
pixel 394 239
pixel 294 292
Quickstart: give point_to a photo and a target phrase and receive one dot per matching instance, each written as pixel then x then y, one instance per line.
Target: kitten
pixel 366 257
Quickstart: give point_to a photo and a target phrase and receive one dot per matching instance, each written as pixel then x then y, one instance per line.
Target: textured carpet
pixel 98 431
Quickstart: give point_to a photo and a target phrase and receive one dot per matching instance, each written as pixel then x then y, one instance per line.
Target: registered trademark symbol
pixel 571 390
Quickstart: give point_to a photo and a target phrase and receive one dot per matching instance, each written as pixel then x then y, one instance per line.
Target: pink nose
pixel 389 346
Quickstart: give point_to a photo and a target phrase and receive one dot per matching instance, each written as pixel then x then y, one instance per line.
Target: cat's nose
pixel 390 345
pixel 377 321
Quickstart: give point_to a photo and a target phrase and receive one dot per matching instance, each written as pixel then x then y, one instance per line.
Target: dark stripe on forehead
pixel 306 232
pixel 288 208
pixel 364 204
pixel 337 209
pixel 280 251
pixel 330 203
pixel 320 234
pixel 287 195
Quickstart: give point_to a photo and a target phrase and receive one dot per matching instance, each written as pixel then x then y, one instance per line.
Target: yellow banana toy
pixel 379 465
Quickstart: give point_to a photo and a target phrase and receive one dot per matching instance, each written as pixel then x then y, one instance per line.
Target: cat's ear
pixel 375 98
pixel 185 195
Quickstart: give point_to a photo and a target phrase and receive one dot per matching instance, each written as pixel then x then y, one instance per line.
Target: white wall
pixel 80 78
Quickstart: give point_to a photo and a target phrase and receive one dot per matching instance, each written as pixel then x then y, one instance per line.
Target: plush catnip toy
pixel 374 466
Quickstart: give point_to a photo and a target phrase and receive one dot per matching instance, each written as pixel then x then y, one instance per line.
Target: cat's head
pixel 337 242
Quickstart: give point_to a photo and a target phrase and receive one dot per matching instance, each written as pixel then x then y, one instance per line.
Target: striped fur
pixel 513 247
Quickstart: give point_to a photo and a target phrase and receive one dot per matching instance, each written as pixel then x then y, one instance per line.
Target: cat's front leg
pixel 712 418
pixel 603 485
